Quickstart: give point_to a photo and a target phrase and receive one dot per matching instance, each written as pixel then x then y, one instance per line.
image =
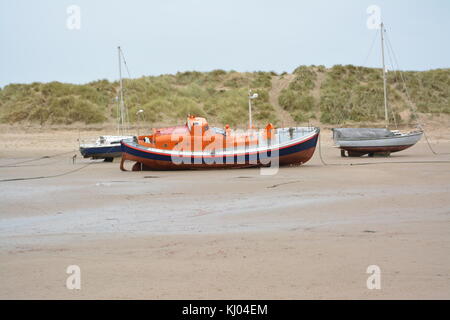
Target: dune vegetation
pixel 336 95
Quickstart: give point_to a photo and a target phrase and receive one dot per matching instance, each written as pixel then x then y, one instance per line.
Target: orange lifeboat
pixel 197 145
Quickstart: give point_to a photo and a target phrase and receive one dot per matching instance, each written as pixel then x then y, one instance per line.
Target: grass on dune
pixel 335 96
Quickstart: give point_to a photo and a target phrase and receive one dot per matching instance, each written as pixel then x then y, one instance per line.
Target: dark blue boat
pixel 106 147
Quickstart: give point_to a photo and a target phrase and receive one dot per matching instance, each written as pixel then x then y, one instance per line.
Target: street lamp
pixel 140 111
pixel 250 98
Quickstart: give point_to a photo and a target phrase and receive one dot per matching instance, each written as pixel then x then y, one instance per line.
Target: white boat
pixel 108 146
pixel 105 147
pixel 356 142
pixel 360 141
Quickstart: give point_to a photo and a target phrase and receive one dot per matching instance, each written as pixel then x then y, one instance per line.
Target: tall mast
pixel 384 78
pixel 121 105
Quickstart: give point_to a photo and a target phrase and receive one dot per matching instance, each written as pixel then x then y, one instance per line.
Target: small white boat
pixel 357 142
pixel 361 141
pixel 108 146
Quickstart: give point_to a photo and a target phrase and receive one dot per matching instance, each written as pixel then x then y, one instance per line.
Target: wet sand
pixel 306 232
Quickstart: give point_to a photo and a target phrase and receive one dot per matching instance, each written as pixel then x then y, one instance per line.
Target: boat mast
pixel 121 105
pixel 384 78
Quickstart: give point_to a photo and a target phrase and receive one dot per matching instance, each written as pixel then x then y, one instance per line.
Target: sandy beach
pixel 308 232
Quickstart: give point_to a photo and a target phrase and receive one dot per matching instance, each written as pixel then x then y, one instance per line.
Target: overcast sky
pixel 41 41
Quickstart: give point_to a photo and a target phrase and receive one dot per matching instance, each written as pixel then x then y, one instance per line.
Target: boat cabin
pixel 197 135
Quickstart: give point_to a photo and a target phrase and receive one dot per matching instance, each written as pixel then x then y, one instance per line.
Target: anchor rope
pixel 49 176
pixel 35 159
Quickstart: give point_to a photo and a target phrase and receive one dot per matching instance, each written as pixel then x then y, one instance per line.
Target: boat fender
pixel 269 131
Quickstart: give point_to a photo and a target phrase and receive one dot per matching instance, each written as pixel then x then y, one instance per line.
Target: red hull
pixel 360 151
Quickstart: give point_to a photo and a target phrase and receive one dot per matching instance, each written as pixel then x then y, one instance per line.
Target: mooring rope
pixel 35 159
pixel 409 101
pixel 321 157
pixel 49 176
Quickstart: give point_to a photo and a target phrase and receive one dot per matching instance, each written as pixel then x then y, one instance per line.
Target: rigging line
pixel 396 78
pixel 118 115
pixel 364 66
pixel 127 127
pixel 50 176
pixel 393 69
pixel 125 63
pixel 371 48
pixel 413 108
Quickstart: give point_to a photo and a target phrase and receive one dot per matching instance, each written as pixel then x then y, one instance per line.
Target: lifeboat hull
pixel 295 153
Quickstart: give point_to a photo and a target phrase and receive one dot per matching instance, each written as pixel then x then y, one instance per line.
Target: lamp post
pixel 137 116
pixel 250 98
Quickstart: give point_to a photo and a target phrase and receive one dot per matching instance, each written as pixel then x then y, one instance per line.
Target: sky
pixel 47 41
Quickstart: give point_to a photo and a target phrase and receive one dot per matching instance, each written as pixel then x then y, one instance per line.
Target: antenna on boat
pixel 250 98
pixel 123 119
pixel 384 77
pixel 117 104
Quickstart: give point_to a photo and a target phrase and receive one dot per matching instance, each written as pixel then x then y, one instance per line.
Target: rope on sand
pixel 431 148
pixel 399 162
pixel 50 176
pixel 323 161
pixel 35 159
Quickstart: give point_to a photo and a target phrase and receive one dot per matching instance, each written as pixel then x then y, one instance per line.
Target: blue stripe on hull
pixel 95 151
pixel 226 159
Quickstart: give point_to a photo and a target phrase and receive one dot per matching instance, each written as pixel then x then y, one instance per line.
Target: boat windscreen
pixel 218 130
